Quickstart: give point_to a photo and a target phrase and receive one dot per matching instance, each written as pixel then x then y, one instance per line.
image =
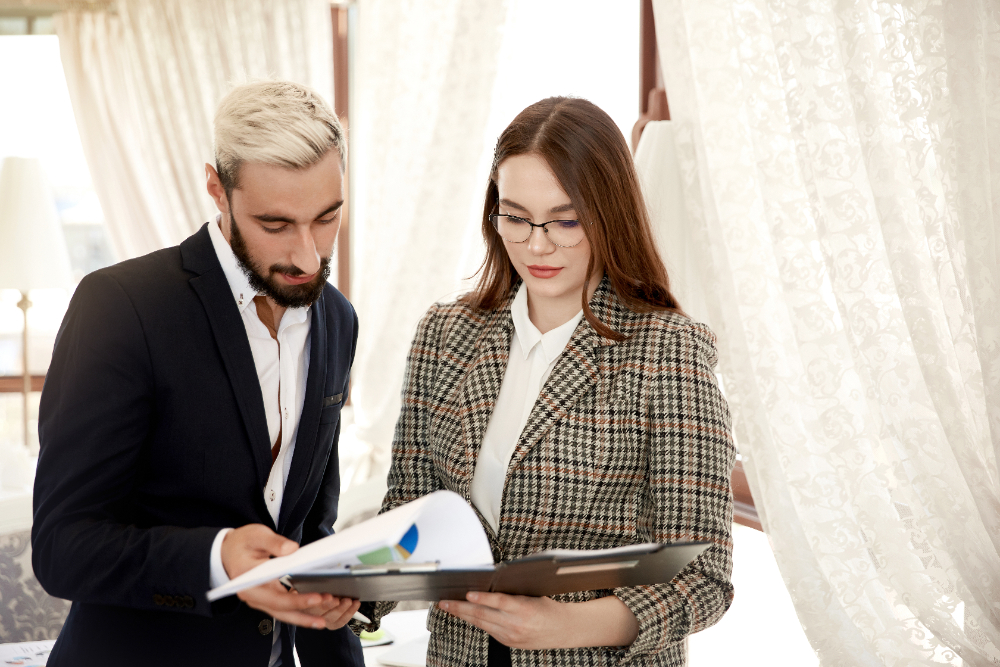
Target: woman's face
pixel 528 189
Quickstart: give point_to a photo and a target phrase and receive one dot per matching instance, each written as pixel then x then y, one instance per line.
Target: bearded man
pixel 190 418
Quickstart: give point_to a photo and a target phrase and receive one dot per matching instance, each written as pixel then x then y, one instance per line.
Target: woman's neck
pixel 548 313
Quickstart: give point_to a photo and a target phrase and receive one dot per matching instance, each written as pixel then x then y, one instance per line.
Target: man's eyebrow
pixel 331 209
pixel 267 217
pixel 562 208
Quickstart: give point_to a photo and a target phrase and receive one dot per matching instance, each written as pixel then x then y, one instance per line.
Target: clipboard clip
pixel 393 568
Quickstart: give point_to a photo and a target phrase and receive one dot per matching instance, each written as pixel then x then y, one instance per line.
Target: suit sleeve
pixel 412 473
pixel 95 418
pixel 691 459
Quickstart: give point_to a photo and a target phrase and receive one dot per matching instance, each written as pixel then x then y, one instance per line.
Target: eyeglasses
pixel 563 233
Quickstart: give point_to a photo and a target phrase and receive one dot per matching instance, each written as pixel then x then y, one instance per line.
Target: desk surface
pixel 406 627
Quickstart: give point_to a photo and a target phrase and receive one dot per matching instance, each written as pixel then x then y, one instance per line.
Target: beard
pixel 286 296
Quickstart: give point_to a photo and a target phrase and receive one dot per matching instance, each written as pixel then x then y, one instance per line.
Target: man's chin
pixel 296 296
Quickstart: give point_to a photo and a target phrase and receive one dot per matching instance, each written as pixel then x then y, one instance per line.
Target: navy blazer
pixel 153 437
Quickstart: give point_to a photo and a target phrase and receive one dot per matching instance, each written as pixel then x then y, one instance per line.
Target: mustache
pixel 291 269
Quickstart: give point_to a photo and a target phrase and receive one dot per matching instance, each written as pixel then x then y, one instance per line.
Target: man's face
pixel 282 225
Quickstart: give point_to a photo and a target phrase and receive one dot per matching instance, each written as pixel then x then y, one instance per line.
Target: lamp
pixel 32 249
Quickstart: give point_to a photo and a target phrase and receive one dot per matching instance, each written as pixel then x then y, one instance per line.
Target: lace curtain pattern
pixel 424 82
pixel 145 76
pixel 841 166
pixel 27 613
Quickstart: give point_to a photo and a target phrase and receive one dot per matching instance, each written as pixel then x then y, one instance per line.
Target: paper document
pixel 26 654
pixel 439 528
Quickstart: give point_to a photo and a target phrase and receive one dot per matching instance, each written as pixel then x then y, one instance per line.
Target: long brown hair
pixel 588 155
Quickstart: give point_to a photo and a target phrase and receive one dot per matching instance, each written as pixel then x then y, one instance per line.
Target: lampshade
pixel 32 249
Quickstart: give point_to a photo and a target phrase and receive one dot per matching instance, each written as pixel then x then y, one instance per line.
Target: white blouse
pixel 532 358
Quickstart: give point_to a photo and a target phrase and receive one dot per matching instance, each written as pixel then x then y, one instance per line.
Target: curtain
pixel 840 162
pixel 424 82
pixel 145 77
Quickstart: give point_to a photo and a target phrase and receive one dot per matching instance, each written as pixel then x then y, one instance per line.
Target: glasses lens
pixel 513 229
pixel 566 233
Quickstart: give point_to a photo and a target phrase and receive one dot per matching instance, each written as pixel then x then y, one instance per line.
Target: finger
pixel 484 618
pixel 499 601
pixel 335 620
pixel 272 597
pixel 329 604
pixel 472 613
pixel 301 619
pixel 264 539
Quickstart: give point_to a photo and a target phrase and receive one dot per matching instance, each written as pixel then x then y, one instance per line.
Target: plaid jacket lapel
pixel 575 373
pixel 481 387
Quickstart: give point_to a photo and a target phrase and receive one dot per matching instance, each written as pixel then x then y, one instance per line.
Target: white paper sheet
pixel 26 654
pixel 449 534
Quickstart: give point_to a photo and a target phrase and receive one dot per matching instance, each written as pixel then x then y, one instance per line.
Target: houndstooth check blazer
pixel 628 442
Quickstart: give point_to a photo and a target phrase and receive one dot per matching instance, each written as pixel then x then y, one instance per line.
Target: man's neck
pixel 270 314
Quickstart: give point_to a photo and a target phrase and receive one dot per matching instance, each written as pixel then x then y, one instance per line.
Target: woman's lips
pixel 544 271
pixel 297 280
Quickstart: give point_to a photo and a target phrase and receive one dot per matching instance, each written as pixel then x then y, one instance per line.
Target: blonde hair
pixel 273 122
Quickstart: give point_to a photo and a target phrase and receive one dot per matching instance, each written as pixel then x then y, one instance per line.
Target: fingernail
pixel 472 597
pixel 444 604
pixel 319 625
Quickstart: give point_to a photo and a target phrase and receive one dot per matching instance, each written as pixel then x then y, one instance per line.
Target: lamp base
pixel 24 304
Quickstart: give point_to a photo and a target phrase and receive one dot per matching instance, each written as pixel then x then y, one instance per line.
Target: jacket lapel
pixel 305 437
pixel 481 387
pixel 574 374
pixel 231 339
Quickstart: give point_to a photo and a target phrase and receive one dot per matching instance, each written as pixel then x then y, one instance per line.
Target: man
pixel 190 418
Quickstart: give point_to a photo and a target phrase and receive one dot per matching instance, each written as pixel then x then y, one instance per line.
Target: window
pixel 40 124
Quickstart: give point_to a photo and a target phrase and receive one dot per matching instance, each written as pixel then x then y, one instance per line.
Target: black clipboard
pixel 536 575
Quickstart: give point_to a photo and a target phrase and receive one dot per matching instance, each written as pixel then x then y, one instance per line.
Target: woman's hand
pixel 539 623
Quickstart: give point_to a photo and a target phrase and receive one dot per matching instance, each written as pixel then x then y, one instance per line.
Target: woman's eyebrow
pixel 507 202
pixel 562 208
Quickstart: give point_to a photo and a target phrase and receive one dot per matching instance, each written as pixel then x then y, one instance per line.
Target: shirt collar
pixel 243 293
pixel 528 335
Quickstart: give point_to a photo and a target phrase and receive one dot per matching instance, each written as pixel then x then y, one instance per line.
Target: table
pixel 409 648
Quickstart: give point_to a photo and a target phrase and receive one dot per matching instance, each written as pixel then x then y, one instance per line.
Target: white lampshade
pixel 32 248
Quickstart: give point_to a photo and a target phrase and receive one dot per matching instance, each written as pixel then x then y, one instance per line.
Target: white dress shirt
pixel 530 362
pixel 282 366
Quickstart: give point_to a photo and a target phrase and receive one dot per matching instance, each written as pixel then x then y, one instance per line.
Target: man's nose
pixel 304 253
pixel 539 243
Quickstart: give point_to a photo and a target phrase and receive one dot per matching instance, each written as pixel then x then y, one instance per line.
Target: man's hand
pixel 247 547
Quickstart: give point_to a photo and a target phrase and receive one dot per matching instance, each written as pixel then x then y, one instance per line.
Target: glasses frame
pixel 493 219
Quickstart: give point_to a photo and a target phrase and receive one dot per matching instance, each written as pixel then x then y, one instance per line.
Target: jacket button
pixel 265 626
pixel 188 601
pixel 158 599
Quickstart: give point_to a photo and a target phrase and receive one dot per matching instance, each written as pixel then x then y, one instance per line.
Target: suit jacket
pixel 628 442
pixel 153 437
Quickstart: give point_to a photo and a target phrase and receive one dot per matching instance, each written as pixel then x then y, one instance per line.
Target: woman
pixel 573 404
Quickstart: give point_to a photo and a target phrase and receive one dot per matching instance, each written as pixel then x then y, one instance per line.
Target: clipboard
pixel 542 574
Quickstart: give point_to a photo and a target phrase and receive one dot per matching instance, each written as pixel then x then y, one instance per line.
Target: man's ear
pixel 215 190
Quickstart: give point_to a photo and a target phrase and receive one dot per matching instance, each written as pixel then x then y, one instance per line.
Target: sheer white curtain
pixel 145 76
pixel 424 81
pixel 841 167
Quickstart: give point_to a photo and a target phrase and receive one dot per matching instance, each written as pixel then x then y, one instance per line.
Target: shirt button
pixel 272 495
